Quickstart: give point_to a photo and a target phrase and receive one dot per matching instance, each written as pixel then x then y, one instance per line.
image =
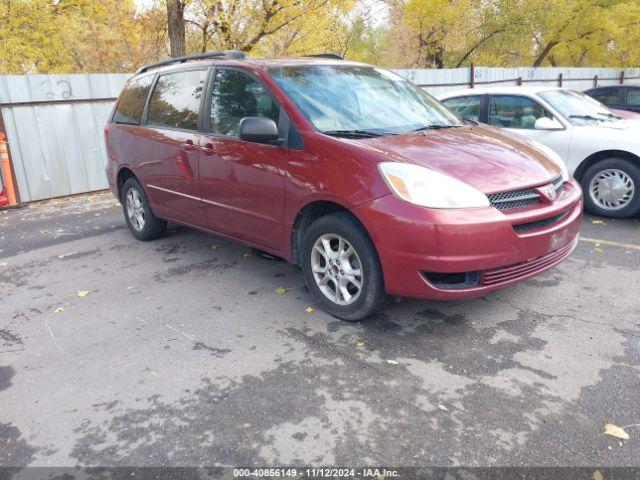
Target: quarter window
pixel 175 101
pixel 132 100
pixel 515 111
pixel 237 95
pixel 466 107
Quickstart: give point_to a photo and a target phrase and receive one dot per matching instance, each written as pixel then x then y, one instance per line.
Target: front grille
pixel 525 197
pixel 525 227
pixel 523 269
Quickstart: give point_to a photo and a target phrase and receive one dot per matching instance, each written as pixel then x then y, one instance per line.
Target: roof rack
pixel 231 54
pixel 332 56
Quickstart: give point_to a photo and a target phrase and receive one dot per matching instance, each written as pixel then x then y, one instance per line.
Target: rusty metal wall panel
pixel 57 147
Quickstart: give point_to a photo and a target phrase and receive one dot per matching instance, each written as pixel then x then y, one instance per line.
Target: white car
pixel 601 149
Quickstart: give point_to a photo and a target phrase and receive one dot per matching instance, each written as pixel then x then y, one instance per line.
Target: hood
pixel 480 156
pixel 620 135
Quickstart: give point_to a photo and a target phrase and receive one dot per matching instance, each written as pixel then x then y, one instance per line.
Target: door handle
pixel 208 149
pixel 189 145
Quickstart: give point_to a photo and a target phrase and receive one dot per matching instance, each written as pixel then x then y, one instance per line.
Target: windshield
pixel 578 108
pixel 361 100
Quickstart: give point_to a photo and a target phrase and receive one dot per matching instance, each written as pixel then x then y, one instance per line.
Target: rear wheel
pixel 612 188
pixel 341 267
pixel 142 223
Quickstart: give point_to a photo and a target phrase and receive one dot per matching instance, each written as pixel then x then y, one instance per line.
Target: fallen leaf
pixel 359 344
pixel 281 291
pixel 215 247
pixel 597 249
pixel 309 309
pixel 246 255
pixel 598 222
pixel 58 310
pixel 3 264
pixel 442 407
pixel 83 293
pixel 615 431
pixel 597 475
pixel 392 362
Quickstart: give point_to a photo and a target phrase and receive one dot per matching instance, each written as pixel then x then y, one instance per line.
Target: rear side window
pixel 175 101
pixel 132 100
pixel 466 107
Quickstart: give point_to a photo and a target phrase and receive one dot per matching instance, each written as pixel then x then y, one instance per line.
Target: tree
pixel 77 36
pixel 175 27
pixel 244 24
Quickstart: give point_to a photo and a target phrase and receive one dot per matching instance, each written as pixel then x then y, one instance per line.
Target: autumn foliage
pixel 120 35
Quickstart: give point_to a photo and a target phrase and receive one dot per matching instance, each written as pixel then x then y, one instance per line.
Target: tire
pixel 366 299
pixel 152 227
pixel 596 179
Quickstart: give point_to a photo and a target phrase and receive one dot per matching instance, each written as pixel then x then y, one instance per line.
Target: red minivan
pixel 347 170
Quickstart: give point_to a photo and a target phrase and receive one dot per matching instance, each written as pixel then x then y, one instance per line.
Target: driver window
pixel 236 95
pixel 633 96
pixel 512 111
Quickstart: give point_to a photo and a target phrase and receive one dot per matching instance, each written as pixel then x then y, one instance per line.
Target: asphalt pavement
pixel 195 351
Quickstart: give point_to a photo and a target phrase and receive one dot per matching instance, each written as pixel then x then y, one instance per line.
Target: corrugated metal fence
pixel 54 123
pixel 442 81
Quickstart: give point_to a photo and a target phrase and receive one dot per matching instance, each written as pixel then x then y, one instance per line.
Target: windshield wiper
pixel 353 133
pixel 435 126
pixel 611 115
pixel 586 117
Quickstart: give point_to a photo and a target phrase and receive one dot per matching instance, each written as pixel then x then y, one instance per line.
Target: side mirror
pixel 546 123
pixel 258 130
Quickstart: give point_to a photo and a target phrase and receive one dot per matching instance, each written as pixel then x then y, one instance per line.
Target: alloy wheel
pixel 135 209
pixel 337 269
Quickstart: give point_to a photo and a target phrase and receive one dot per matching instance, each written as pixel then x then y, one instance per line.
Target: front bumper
pixel 493 248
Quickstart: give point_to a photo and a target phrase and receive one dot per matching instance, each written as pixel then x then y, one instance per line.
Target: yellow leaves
pixel 360 344
pixel 597 475
pixel 597 250
pixel 82 293
pixel 215 247
pixel 615 431
pixel 247 254
pixel 281 291
pixel 309 309
pixel 58 310
pixel 598 222
pixel 3 264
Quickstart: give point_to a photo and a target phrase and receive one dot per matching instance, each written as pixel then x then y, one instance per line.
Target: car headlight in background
pixel 554 157
pixel 428 188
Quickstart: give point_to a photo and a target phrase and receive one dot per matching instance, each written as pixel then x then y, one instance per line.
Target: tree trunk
pixel 175 27
pixel 545 52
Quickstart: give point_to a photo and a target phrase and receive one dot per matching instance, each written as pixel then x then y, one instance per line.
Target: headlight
pixel 429 188
pixel 553 156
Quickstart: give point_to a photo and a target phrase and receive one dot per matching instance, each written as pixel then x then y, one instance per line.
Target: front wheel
pixel 341 267
pixel 612 188
pixel 142 222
